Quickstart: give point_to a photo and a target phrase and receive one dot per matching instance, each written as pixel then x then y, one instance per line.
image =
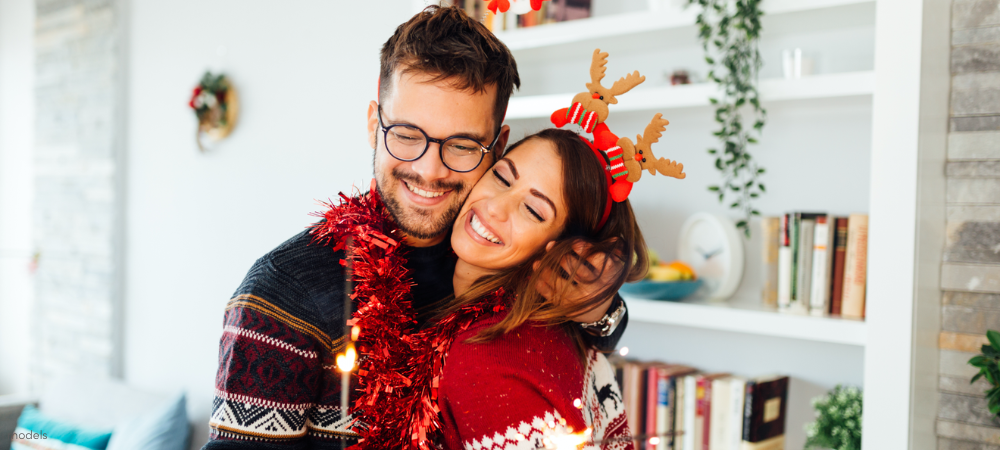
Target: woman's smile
pixel 480 229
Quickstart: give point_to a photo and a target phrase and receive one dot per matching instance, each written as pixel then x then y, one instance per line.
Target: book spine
pixel 652 403
pixel 819 298
pixel 804 274
pixel 855 267
pixel 839 256
pixel 665 412
pixel 737 390
pixel 748 411
pixel 719 430
pixel 679 402
pixel 770 229
pixel 793 237
pixel 705 391
pixel 784 264
pixel 690 411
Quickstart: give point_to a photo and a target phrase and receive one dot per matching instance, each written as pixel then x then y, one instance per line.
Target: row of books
pixel 552 11
pixel 816 262
pixel 675 407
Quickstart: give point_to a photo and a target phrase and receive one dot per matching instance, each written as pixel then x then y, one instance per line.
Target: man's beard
pixel 417 222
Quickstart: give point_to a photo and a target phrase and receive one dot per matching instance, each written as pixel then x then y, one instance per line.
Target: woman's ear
pixel 372 124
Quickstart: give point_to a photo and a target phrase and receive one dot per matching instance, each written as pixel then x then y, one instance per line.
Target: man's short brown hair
pixel 448 44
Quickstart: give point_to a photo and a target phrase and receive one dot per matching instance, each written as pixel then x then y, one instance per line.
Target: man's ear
pixel 501 146
pixel 372 124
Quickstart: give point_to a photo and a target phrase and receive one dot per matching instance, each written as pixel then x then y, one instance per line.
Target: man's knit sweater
pixel 276 386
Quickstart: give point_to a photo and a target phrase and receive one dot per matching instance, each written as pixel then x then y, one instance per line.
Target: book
pixel 770 231
pixel 819 298
pixel 677 441
pixel 855 267
pixel 793 239
pixel 633 390
pixel 785 263
pixel 803 274
pixel 775 443
pixel 703 411
pixel 765 408
pixel 839 255
pixel 690 411
pixel 737 390
pixel 666 404
pixel 719 430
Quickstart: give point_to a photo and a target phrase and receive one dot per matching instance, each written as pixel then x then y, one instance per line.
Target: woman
pixel 508 379
pixel 500 367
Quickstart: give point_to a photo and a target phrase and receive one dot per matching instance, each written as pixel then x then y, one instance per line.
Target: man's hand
pixel 587 280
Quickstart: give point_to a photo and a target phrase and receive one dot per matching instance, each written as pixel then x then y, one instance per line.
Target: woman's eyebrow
pixel 513 169
pixel 542 196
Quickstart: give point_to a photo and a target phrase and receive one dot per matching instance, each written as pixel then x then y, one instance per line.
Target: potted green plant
pixel 838 420
pixel 988 364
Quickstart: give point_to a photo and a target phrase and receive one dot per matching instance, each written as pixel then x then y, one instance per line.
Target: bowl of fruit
pixel 664 281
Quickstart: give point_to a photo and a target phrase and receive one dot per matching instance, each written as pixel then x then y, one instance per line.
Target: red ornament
pixel 400 367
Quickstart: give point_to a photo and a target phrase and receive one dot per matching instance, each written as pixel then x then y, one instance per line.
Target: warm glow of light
pixel 346 360
pixel 355 332
pixel 577 403
pixel 569 441
pixel 623 351
pixel 654 441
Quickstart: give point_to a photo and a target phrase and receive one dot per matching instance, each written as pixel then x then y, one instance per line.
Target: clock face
pixel 712 247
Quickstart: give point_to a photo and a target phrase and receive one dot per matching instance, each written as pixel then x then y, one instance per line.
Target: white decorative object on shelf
pixel 712 246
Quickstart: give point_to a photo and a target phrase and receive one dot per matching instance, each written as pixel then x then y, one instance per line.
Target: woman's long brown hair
pixel 585 189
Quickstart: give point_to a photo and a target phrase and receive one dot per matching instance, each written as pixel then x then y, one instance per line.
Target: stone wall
pixel 77 207
pixel 970 274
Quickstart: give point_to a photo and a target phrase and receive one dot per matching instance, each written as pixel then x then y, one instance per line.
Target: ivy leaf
pixel 755 212
pixel 751 140
pixel 713 101
pixel 709 60
pixel 713 188
pixel 741 224
pixel 758 124
pixel 721 196
pixel 759 170
pixel 718 163
pixel 735 205
pixel 761 187
pixel 749 183
pixel 754 195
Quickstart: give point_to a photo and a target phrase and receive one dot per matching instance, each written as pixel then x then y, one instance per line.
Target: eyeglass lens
pixel 409 143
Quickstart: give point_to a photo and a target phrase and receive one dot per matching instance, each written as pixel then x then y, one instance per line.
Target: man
pixel 444 79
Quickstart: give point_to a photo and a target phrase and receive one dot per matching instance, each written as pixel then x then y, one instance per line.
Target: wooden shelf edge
pixel 726 317
pixel 638 22
pixel 836 85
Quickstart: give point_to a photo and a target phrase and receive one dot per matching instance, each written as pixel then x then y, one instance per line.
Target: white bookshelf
pixel 749 318
pixel 816 87
pixel 895 106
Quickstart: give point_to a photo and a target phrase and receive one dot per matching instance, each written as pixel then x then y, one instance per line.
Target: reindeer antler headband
pixel 622 160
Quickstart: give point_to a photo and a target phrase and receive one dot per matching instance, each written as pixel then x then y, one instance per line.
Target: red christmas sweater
pixel 526 387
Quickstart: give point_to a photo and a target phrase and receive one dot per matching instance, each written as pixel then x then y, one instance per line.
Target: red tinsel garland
pixel 400 367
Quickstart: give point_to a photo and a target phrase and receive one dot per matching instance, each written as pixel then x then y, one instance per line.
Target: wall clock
pixel 712 246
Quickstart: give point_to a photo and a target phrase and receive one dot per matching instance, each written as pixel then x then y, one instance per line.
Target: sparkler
pixel 347 360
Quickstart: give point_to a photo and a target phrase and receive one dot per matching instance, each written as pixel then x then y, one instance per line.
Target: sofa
pixel 139 419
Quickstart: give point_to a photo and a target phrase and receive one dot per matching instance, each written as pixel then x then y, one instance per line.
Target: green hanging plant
pixel 730 32
pixel 988 364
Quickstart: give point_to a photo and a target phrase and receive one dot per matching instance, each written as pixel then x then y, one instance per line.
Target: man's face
pixel 425 196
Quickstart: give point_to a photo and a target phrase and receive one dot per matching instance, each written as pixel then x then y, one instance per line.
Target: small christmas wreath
pixel 216 105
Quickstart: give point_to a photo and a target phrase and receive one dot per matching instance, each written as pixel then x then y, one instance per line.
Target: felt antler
pixel 625 84
pixel 597 68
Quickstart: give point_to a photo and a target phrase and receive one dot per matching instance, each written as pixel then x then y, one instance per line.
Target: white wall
pixel 17 100
pixel 196 222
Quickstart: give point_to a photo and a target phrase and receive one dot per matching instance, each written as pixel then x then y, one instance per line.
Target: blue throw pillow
pixel 164 428
pixel 36 431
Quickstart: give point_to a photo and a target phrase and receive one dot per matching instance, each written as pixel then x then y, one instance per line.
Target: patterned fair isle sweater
pixel 276 387
pixel 526 388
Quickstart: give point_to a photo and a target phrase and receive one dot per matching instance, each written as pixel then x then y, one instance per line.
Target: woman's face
pixel 514 210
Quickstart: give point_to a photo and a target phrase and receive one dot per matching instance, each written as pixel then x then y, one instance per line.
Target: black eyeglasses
pixel 409 143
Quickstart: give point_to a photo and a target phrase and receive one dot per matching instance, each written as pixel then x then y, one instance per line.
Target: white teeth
pixel 482 231
pixel 423 193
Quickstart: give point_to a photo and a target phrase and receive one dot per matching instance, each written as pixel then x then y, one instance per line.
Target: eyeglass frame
pixel 440 142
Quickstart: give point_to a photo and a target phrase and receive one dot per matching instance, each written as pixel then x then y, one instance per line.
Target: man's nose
pixel 429 166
